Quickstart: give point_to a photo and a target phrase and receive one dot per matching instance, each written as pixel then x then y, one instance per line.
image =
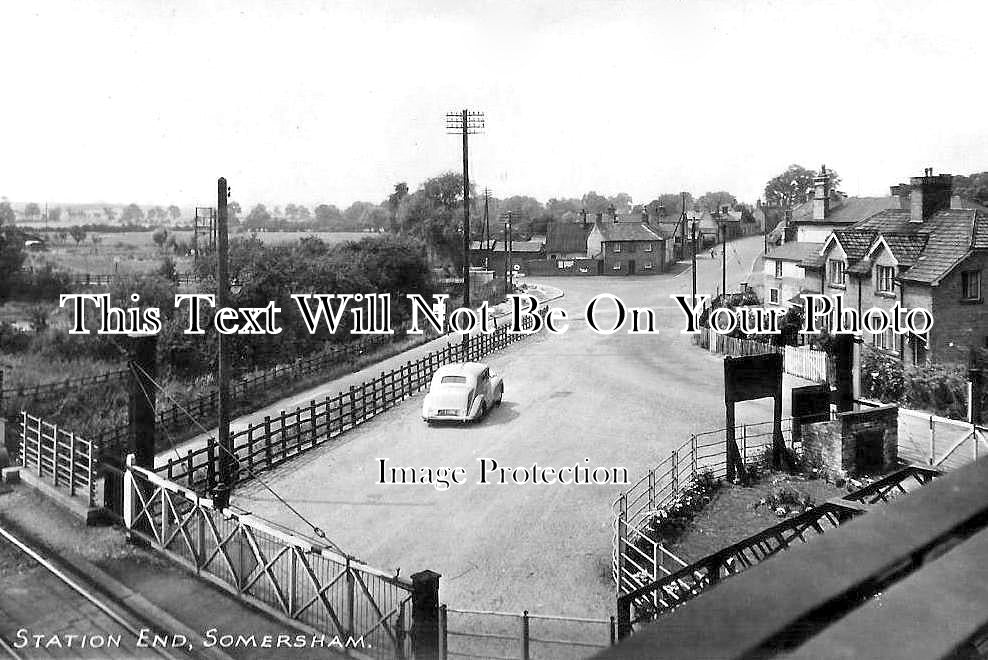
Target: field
pixel 135 252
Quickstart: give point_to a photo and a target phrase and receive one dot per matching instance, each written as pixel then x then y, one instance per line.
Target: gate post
pixel 425 615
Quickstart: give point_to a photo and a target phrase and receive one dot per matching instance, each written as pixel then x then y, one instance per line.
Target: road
pixel 617 400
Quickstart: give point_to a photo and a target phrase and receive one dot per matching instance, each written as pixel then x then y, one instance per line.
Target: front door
pixel 631 267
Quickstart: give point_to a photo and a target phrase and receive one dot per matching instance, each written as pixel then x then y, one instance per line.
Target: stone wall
pixel 864 441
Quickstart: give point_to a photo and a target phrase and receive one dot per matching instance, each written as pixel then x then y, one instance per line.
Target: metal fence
pixel 521 635
pixel 58 456
pixel 274 440
pixel 638 558
pixel 324 590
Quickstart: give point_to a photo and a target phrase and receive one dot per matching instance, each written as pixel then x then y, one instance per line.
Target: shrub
pixel 668 523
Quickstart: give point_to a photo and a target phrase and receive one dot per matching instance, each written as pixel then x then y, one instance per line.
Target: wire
pixel 253 475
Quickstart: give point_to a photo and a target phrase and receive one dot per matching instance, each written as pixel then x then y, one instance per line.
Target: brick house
pixel 930 251
pixel 627 247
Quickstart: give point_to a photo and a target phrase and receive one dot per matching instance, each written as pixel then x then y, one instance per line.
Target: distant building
pixel 627 247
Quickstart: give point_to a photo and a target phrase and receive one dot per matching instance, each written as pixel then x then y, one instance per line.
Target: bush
pixel 938 389
pixel 668 524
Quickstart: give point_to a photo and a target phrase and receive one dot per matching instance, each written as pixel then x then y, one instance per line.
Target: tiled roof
pixel 950 234
pixel 516 246
pixel 626 231
pixel 793 251
pixel 906 248
pixel 844 210
pixel 855 243
pixel 567 237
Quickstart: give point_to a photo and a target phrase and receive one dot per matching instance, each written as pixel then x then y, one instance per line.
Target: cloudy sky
pixel 311 102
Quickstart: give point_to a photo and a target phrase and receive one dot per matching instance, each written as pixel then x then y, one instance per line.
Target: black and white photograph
pixel 520 330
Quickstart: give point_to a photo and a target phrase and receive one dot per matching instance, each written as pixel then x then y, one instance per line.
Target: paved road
pixel 616 400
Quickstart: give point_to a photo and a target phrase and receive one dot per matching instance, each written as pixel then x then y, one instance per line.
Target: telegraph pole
pixel 723 263
pixel 221 492
pixel 693 233
pixel 466 123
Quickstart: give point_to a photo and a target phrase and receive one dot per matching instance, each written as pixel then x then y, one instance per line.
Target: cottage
pixel 930 251
pixel 627 247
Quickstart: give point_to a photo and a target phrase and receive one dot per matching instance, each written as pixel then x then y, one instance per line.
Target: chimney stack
pixel 583 214
pixel 901 193
pixel 821 194
pixel 930 194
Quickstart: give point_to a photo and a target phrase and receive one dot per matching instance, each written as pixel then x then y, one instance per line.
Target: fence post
pixel 210 459
pixel 613 631
pixel 425 615
pixel 675 472
pixel 443 632
pixel 622 523
pixel 693 456
pixel 623 617
pixel 72 458
pixel 933 441
pixel 189 468
pixel 267 440
pixel 744 444
pixel 524 636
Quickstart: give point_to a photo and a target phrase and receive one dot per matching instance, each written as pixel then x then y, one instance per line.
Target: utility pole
pixel 723 263
pixel 487 219
pixel 466 123
pixel 693 233
pixel 221 493
pixel 508 273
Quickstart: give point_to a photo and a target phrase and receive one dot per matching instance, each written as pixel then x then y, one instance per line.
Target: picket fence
pixel 274 440
pixel 798 361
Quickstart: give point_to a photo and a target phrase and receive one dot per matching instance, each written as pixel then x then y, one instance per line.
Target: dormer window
pixel 884 276
pixel 838 272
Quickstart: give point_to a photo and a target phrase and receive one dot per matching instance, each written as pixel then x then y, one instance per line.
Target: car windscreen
pixel 461 380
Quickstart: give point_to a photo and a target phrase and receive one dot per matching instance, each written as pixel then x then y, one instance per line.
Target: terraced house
pixel 930 251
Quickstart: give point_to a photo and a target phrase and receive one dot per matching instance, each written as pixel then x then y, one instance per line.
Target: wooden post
pixel 524 636
pixel 425 615
pixel 267 440
pixel 189 468
pixel 623 617
pixel 933 441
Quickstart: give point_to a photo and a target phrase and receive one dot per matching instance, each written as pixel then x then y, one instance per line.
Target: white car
pixel 462 392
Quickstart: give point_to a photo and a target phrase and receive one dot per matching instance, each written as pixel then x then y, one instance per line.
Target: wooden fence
pixel 798 361
pixel 104 279
pixel 937 441
pixel 46 391
pixel 243 389
pixel 274 569
pixel 274 440
pixel 58 456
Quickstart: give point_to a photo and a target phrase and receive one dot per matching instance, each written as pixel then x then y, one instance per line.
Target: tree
pixel 174 213
pixel 258 217
pixel 712 201
pixel 302 213
pixel 621 203
pixel 291 212
pixel 110 213
pixel 794 186
pixel 152 215
pixel 11 259
pixel 445 190
pixel 132 214
pixel 973 187
pixel 55 214
pixel 595 203
pixel 78 234
pixel 95 239
pixel 233 212
pixel 328 217
pixel 7 215
pixel 32 210
pixel 160 236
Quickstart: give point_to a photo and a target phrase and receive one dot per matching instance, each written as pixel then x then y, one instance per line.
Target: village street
pixel 618 400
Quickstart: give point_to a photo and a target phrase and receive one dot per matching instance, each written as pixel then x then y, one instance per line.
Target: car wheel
pixel 500 395
pixel 483 411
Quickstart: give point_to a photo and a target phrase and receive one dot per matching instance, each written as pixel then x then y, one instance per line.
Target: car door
pixel 484 385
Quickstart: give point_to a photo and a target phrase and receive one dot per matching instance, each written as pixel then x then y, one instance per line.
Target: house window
pixel 884 340
pixel 838 274
pixel 564 263
pixel 778 267
pixel 971 285
pixel 883 278
pixel 647 265
pixel 773 296
pixel 648 247
pixel 617 247
pixel 616 267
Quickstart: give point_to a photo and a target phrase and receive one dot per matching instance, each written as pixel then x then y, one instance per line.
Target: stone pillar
pixel 425 615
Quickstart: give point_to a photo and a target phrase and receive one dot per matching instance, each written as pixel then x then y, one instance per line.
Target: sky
pixel 332 102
